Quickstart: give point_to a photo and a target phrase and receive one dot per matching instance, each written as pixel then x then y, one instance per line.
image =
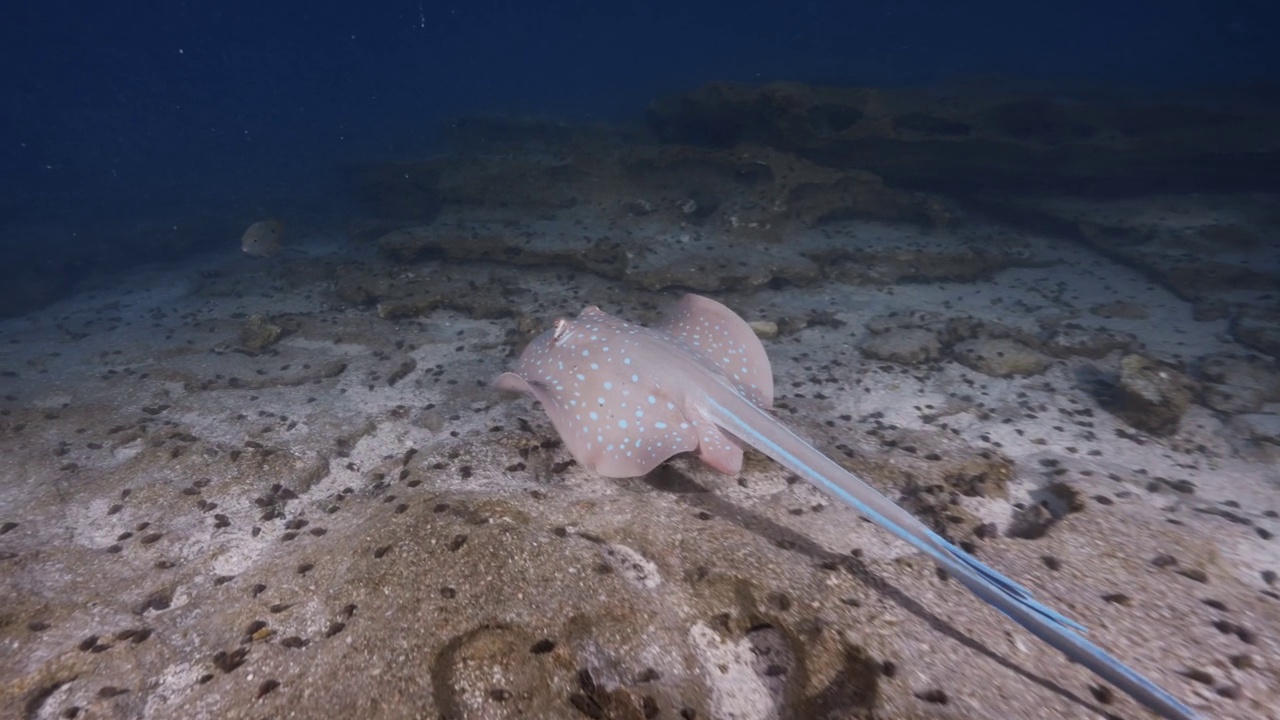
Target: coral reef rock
pixel 1150 395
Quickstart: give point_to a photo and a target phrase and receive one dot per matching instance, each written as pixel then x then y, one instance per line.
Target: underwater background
pixel 1014 265
pixel 174 110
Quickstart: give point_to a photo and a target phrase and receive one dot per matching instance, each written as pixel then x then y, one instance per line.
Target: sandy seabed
pixel 349 522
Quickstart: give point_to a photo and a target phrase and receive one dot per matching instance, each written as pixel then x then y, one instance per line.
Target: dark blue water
pixel 119 114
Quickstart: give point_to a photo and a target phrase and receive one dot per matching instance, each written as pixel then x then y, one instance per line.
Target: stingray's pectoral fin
pixel 512 382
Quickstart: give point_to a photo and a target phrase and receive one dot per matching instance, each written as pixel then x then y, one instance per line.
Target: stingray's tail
pixel 759 429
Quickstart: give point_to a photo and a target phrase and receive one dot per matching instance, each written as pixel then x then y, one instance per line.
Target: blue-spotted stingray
pixel 625 398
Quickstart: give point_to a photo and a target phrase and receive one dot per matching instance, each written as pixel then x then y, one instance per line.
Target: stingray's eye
pixel 561 330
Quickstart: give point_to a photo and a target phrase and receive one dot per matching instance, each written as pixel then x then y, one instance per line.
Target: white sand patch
pixel 737 691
